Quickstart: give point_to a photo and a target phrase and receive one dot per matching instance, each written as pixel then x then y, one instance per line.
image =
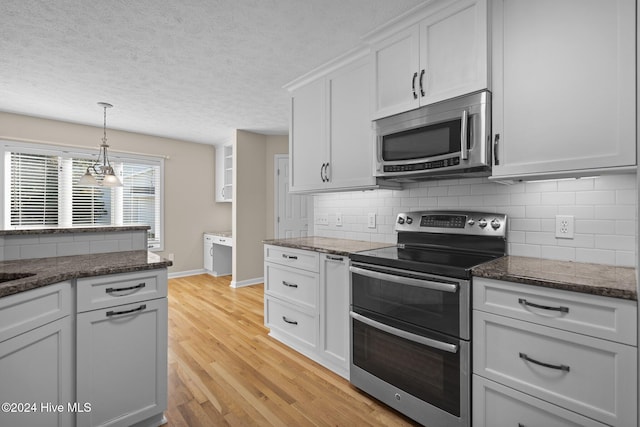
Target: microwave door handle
pixel 464 143
pixel 427 284
pixel 451 348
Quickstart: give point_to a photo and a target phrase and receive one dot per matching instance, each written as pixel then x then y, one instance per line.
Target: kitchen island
pixel 85 334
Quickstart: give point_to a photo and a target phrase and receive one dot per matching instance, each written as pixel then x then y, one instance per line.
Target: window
pixel 42 191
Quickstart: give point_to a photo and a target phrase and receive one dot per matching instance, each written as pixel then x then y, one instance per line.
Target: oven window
pixel 429 374
pixel 427 141
pixel 427 308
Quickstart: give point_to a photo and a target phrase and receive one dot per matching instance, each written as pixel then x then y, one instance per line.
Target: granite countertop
pixel 47 271
pixel 63 230
pixel 596 279
pixel 327 245
pixel 219 233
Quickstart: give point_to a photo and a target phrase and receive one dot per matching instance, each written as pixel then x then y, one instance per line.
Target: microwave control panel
pixel 453 161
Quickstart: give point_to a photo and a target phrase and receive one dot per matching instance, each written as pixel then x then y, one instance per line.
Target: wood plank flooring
pixel 224 370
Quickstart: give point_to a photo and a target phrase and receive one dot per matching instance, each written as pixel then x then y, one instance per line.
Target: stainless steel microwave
pixel 441 139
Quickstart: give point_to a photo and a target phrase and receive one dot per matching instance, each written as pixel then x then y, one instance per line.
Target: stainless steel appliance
pixel 445 138
pixel 410 313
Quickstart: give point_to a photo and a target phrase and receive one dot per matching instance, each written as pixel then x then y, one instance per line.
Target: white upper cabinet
pixel 564 87
pixel 431 54
pixel 224 173
pixel 331 127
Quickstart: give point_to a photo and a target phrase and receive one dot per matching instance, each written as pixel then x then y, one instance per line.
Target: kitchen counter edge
pixel 47 271
pixel 595 279
pixel 327 245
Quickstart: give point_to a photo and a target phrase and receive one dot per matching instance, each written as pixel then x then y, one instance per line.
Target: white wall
pixel 605 210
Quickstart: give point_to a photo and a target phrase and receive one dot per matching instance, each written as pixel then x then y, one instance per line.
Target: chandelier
pixel 102 166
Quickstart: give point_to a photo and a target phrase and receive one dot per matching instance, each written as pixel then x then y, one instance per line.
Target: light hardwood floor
pixel 224 370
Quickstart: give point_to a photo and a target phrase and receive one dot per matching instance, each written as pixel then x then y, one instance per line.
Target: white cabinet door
pixel 307 143
pixel 334 315
pixel 442 56
pixel 350 132
pixel 207 252
pixel 396 66
pixel 564 86
pixel 36 372
pixel 122 363
pixel 453 51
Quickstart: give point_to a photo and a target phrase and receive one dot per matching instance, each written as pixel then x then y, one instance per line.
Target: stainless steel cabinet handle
pixel 321 175
pixel 564 368
pixel 116 313
pixel 335 258
pixel 290 285
pixel 222 192
pixel 291 322
pixel 428 284
pixel 561 309
pixel 289 256
pixel 413 85
pixel 130 288
pixel 450 348
pixel 421 85
pixel 464 149
pixel 496 142
pixel 326 172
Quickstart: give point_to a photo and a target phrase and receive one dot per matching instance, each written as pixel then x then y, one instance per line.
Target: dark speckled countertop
pixel 596 279
pixel 46 271
pixel 327 245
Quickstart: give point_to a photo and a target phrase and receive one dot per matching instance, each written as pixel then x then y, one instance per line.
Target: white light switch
pixel 371 220
pixel 338 219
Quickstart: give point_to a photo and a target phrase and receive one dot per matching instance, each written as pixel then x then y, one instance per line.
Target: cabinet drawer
pixel 307 260
pixel 296 286
pixel 518 409
pixel 117 289
pixel 219 240
pixel 608 318
pixel 593 377
pixel 27 310
pixel 286 319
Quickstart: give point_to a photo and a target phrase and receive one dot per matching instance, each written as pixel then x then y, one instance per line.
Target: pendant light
pixel 102 166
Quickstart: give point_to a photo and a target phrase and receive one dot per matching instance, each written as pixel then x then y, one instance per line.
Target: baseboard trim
pixel 249 282
pixel 178 274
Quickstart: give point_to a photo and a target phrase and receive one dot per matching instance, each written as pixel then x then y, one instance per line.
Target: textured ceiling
pixel 193 70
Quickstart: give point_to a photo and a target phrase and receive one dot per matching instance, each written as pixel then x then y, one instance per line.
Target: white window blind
pixel 44 192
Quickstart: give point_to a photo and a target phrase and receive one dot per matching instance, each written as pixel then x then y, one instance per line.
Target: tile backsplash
pixel 604 209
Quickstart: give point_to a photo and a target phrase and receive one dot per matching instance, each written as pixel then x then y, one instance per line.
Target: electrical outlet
pixel 171 257
pixel 564 227
pixel 339 219
pixel 371 220
pixel 322 219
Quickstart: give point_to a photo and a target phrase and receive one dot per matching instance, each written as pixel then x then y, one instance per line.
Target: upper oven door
pixel 432 302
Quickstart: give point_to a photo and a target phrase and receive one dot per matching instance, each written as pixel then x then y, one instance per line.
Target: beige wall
pixel 189 206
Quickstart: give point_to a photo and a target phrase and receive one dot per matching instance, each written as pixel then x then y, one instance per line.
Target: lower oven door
pixel 422 375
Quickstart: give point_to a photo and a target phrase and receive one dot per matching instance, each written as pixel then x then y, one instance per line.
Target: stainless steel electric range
pixel 411 313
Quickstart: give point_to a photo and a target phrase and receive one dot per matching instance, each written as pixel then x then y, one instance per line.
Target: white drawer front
pixel 296 286
pixel 288 320
pixel 226 241
pixel 117 289
pixel 307 260
pixel 608 318
pixel 598 379
pixel 27 310
pixel 495 405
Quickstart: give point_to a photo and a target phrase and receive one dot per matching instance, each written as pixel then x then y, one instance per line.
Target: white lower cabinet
pixel 499 406
pixel 121 352
pixel 306 304
pixel 534 363
pixel 36 361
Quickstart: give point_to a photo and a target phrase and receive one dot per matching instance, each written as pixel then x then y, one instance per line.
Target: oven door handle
pixel 451 348
pixel 428 284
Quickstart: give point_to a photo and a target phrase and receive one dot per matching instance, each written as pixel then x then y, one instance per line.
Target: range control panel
pixel 453 222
